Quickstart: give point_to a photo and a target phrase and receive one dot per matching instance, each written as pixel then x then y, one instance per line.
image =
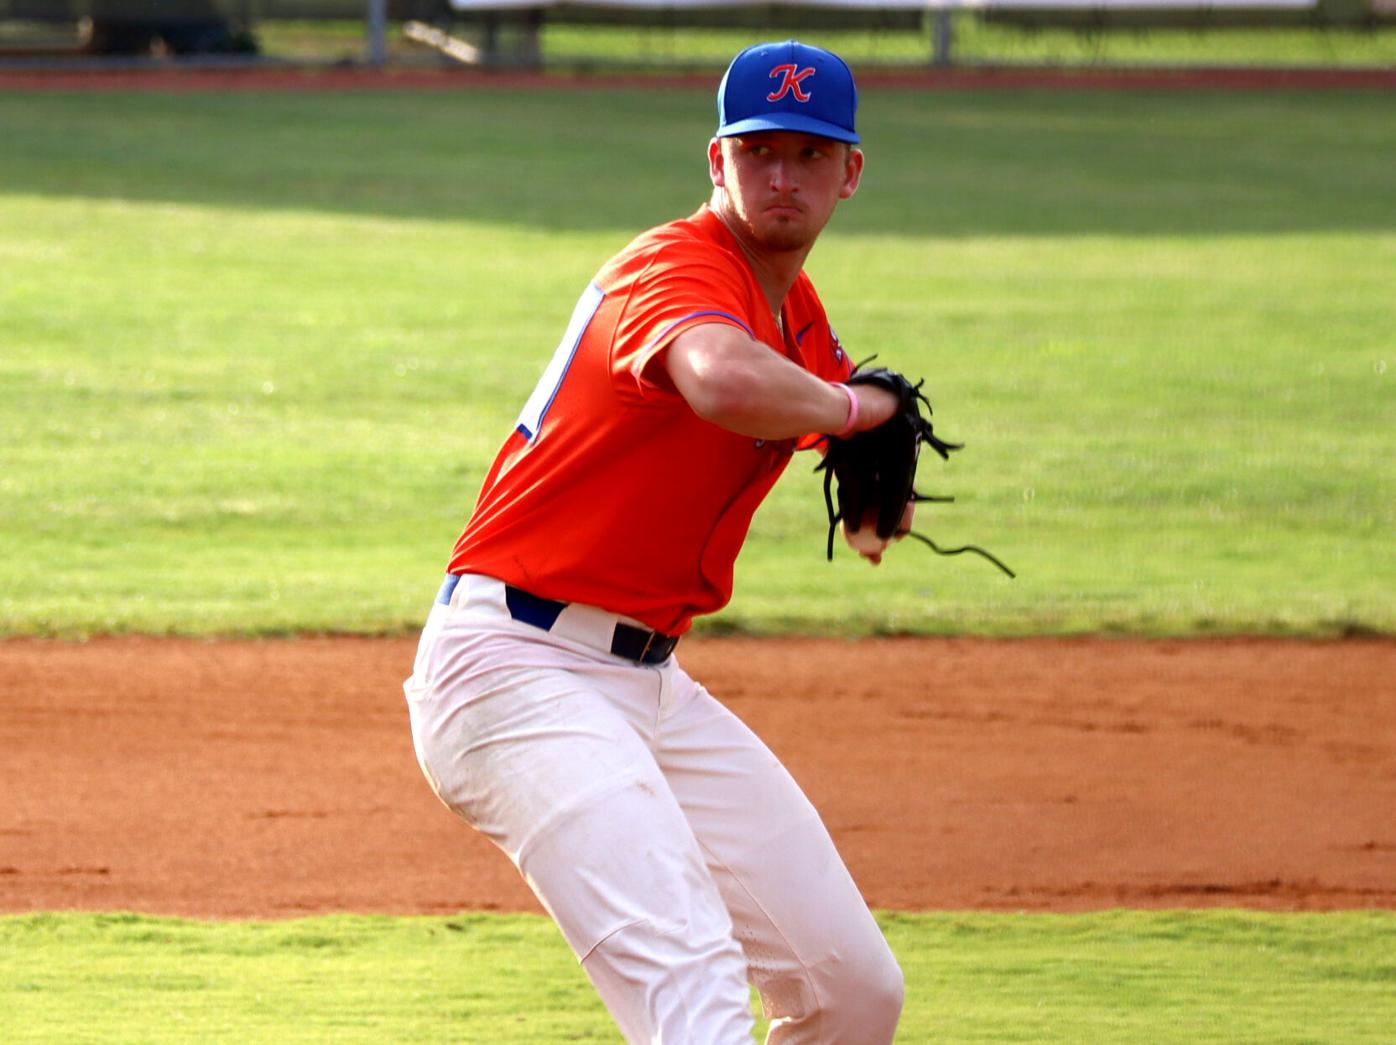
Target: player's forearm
pixel 775 400
pixel 745 387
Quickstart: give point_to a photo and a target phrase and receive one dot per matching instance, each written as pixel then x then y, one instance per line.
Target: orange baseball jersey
pixel 611 491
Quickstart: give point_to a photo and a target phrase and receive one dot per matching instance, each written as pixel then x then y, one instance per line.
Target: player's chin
pixel 783 235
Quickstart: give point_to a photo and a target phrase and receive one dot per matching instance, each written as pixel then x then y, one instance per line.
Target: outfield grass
pixel 975 41
pixel 256 351
pixel 1112 977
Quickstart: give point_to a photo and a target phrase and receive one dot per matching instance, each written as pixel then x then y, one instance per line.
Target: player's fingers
pixel 904 525
pixel 865 541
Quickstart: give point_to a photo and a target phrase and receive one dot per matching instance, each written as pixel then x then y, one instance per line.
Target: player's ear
pixel 716 171
pixel 852 172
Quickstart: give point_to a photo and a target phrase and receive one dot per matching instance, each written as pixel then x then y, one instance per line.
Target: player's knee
pixel 887 995
pixel 669 982
pixel 862 1001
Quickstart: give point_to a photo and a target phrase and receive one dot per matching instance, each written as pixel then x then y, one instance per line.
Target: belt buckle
pixel 645 651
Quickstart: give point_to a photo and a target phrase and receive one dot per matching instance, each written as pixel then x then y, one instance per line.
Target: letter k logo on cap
pixel 790 82
pixel 770 87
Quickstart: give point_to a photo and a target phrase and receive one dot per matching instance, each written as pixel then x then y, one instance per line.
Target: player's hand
pixel 875 405
pixel 866 541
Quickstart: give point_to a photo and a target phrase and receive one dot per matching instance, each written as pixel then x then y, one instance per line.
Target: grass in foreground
pixel 1220 976
pixel 257 351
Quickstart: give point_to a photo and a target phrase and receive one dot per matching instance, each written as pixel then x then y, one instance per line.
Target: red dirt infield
pixel 276 778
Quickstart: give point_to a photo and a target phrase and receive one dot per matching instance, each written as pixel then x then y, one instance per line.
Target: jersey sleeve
pixel 679 289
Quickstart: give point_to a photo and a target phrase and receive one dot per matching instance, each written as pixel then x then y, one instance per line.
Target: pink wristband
pixel 851 422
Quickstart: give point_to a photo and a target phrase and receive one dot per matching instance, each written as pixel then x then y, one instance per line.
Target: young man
pixel 676 854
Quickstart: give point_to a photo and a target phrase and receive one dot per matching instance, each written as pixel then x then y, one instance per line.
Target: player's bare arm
pixel 740 384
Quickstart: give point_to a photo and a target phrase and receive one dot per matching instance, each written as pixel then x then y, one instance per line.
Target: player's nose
pixel 783 178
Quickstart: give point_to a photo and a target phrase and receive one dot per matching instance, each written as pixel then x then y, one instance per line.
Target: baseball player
pixel 678 857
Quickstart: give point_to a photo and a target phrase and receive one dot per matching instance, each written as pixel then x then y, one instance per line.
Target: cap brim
pixel 789 122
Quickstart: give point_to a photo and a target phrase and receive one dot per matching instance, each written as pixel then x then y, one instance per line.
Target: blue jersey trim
pixel 659 338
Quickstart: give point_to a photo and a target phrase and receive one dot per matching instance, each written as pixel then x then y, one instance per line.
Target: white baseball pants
pixel 674 851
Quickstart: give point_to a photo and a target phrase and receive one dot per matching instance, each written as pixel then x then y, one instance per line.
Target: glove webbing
pixel 835 519
pixel 924 431
pixel 924 434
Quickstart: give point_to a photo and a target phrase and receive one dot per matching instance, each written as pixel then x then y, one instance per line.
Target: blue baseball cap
pixel 787 86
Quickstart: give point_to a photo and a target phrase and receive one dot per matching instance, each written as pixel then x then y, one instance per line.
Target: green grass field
pixel 975 41
pixel 1112 977
pixel 258 350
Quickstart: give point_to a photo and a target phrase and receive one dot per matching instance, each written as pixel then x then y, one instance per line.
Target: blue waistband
pixel 447 589
pixel 638 644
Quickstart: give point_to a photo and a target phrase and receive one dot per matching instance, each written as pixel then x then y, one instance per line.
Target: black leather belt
pixel 628 641
pixel 642 646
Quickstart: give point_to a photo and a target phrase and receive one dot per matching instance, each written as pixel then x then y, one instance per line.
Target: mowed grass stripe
pixel 1108 977
pixel 258 351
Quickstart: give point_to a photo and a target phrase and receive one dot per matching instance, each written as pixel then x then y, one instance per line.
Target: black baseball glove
pixel 876 469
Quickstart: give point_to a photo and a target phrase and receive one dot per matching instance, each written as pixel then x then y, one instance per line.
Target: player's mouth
pixel 785 210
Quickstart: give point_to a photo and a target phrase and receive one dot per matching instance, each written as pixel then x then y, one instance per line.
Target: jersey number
pixel 530 422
